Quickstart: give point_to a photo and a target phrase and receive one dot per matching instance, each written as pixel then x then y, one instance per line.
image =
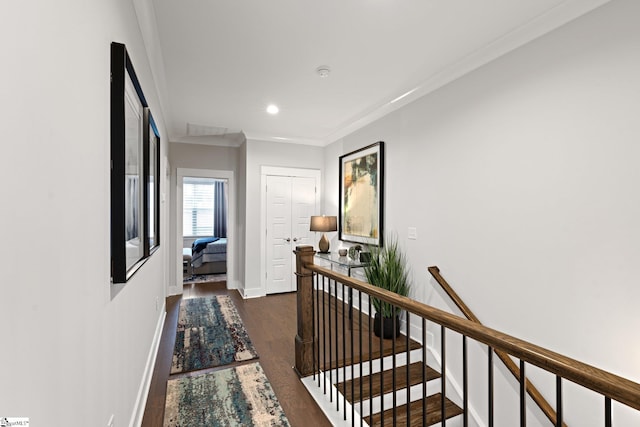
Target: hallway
pixel 271 324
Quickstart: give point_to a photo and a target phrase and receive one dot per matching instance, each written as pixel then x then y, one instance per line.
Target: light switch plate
pixel 412 233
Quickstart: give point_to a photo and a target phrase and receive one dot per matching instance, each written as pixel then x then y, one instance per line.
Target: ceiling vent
pixel 203 130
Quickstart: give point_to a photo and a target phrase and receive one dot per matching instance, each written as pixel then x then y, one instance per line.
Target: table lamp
pixel 323 224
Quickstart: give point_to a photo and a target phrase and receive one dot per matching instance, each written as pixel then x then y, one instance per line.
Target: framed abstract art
pixel 361 195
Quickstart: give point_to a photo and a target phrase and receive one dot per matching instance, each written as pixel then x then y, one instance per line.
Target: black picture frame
pixel 361 195
pixel 135 163
pixel 152 184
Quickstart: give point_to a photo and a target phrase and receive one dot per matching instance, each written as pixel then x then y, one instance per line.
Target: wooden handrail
pixel 617 388
pixel 435 272
pixel 537 397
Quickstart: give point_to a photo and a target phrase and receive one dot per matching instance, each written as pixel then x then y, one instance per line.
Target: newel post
pixel 304 338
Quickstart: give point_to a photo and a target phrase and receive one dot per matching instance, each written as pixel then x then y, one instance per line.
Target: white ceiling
pixel 226 60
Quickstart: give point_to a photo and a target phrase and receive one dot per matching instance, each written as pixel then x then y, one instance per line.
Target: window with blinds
pixel 198 206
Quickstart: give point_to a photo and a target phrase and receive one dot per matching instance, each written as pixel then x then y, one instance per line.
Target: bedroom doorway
pixel 204 226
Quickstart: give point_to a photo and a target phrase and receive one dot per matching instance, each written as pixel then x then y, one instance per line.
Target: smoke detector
pixel 323 71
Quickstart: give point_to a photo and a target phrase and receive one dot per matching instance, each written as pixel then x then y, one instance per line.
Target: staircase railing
pixel 537 397
pixel 322 319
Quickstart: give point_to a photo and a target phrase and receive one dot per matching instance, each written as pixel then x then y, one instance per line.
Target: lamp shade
pixel 323 223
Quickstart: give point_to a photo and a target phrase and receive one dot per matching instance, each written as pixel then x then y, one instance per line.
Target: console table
pixel 345 262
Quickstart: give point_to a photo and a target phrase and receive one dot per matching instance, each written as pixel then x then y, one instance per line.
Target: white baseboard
pixel 174 290
pixel 143 390
pixel 232 284
pixel 329 401
pixel 252 293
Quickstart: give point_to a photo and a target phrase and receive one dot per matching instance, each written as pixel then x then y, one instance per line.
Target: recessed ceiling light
pixel 273 109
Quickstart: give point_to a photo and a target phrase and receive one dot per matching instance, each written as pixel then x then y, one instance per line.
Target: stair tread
pixel 415 377
pixel 400 348
pixel 433 413
pixel 360 344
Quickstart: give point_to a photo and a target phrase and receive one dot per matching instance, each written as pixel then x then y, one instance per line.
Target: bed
pixel 209 255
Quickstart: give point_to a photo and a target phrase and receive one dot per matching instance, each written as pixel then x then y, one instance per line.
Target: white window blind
pixel 197 206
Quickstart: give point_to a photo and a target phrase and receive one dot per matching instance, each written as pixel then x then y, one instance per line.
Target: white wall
pixel 196 156
pixel 522 180
pixel 241 213
pixel 331 187
pixel 70 354
pixel 263 153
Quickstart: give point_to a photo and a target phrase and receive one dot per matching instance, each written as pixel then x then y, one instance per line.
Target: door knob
pixel 288 240
pixel 295 239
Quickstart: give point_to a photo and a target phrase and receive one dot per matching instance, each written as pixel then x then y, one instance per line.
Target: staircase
pixel 372 394
pixel 330 356
pixel 382 383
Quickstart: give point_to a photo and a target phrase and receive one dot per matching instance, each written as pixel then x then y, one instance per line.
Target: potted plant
pixel 387 269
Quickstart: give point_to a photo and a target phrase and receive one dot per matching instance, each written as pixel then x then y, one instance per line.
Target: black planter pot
pixel 386 328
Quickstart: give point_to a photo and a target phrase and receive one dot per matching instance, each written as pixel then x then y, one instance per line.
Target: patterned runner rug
pixel 240 396
pixel 210 333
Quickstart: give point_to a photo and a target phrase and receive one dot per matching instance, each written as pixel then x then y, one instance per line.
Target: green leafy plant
pixel 388 270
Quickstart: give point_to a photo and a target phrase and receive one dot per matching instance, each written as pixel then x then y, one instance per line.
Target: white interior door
pixel 278 234
pixel 290 203
pixel 303 191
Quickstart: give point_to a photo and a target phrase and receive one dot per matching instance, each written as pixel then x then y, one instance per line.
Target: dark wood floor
pixel 271 324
